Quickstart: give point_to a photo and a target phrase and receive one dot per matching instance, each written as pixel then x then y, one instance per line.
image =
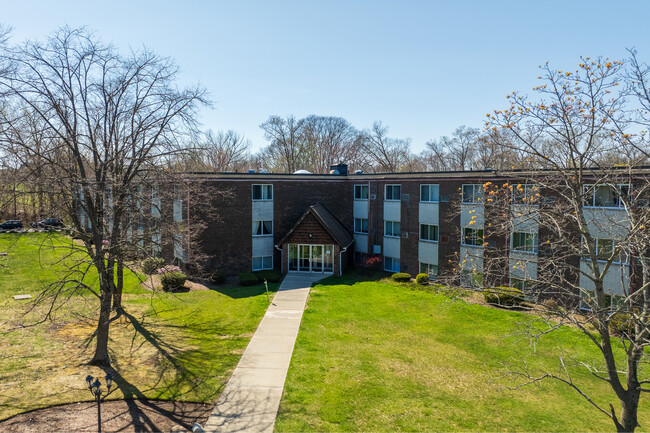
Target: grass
pixel 381 356
pixel 180 346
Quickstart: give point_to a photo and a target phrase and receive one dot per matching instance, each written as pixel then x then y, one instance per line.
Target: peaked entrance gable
pixel 317 243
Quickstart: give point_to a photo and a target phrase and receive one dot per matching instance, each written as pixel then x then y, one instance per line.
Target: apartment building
pixel 433 222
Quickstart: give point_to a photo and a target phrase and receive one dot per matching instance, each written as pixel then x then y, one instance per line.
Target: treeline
pixel 315 142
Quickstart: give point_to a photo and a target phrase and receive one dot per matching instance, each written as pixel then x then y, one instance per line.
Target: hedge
pixel 401 277
pixel 172 280
pixel 422 279
pixel 217 277
pixel 151 264
pixel 247 279
pixel 504 296
pixel 271 275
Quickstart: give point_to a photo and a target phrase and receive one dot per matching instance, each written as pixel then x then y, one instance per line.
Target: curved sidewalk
pixel 251 399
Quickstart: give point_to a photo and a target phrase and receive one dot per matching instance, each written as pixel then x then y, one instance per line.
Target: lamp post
pixel 94 386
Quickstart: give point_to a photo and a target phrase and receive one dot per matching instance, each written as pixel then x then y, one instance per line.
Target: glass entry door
pixel 311 258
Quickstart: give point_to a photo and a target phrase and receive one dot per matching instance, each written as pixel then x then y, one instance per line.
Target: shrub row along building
pixel 445 224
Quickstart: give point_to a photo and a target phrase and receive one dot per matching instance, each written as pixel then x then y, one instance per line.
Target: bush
pixel 621 324
pixel 172 279
pixel 152 264
pixel 509 296
pixel 247 279
pixel 422 279
pixel 401 277
pixel 271 275
pixel 217 277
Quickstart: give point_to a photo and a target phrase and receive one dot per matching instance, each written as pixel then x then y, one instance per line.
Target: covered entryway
pixel 311 258
pixel 317 243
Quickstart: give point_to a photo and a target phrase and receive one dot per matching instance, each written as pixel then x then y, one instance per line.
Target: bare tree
pixel 286 151
pixel 382 153
pixel 109 122
pixel 219 152
pixel 586 219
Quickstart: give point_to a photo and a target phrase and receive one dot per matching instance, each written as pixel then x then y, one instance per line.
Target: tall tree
pixel 109 121
pixel 591 221
pixel 381 153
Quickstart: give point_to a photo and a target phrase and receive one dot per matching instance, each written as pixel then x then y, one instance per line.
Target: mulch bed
pixel 117 416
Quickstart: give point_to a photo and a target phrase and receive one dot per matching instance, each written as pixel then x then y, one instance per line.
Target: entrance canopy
pixel 317 226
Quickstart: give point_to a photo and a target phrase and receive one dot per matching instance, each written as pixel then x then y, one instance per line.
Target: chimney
pixel 340 169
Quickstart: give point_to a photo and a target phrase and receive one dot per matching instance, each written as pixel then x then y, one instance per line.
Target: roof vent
pixel 301 172
pixel 341 169
pixel 250 170
pixel 358 172
pixel 263 171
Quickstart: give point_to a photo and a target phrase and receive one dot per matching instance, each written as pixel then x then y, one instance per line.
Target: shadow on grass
pixel 238 292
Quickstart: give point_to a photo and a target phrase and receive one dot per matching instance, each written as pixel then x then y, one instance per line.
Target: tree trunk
pixel 630 406
pixel 101 350
pixel 117 293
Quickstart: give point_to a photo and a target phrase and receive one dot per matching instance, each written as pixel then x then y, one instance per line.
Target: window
pixel 604 248
pixel 361 192
pixel 361 225
pixel 391 264
pixel 526 286
pixel 605 195
pixel 613 302
pixel 262 262
pixel 178 204
pixel 429 269
pixel 428 232
pixel 392 228
pixel 262 228
pixel 471 279
pixel 429 193
pixel 473 193
pixel 525 242
pixel 392 192
pixel 262 192
pixel 472 237
pixel 524 194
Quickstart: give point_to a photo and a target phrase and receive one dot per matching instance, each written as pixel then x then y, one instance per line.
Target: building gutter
pixel 341 257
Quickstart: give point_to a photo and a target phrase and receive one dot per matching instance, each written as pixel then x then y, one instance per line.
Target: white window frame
pixel 263 268
pixel 526 194
pixel 361 220
pixel 392 225
pixel 392 186
pixel 266 191
pixel 619 203
pixel 432 187
pixel 524 250
pixel 261 222
pixel 463 236
pixel 477 193
pixel 437 231
pixel 428 267
pixel 361 187
pixel 393 260
pixel 597 245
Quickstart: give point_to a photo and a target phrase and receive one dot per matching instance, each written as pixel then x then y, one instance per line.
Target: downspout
pixel 281 258
pixel 341 257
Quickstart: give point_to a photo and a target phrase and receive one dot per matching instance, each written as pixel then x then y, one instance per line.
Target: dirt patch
pixel 152 283
pixel 118 415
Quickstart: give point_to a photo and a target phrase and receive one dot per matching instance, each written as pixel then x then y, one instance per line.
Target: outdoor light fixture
pixel 95 388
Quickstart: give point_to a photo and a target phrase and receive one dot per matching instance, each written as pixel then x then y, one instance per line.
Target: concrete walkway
pixel 251 399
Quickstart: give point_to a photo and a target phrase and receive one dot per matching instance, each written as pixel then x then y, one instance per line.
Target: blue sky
pixel 422 67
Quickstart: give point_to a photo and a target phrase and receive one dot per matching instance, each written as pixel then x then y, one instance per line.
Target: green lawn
pixel 179 346
pixel 375 356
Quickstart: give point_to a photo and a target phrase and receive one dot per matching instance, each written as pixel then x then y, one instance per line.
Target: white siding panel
pixel 263 246
pixel 525 219
pixel 392 212
pixel 429 214
pixel 471 258
pixel 428 252
pixel 391 247
pixel 523 266
pixel 361 243
pixel 607 223
pixel 361 208
pixel 262 210
pixel 467 211
pixel 617 279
